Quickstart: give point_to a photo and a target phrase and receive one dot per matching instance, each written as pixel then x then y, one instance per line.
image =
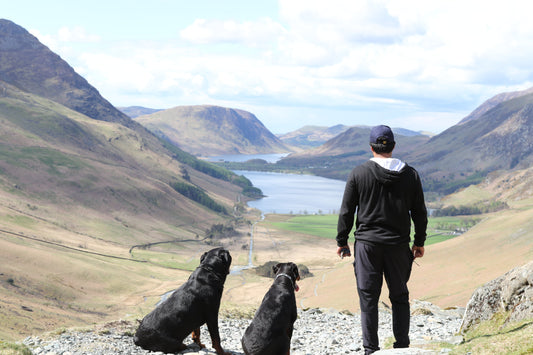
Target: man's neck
pixel 382 155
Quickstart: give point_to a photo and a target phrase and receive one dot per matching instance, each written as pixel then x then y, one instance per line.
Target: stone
pixel 511 292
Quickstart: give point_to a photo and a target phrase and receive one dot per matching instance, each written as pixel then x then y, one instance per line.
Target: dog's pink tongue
pixel 296 287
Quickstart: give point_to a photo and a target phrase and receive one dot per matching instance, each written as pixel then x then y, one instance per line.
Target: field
pixel 439 228
pixel 71 279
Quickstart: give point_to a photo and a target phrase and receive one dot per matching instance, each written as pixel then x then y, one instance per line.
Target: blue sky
pixel 416 64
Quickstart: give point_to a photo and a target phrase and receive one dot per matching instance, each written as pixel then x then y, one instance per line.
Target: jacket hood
pixel 385 176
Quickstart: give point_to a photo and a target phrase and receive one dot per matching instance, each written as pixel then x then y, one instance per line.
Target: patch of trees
pixel 219 231
pixel 198 195
pixel 248 189
pixel 252 192
pixel 265 270
pixel 462 226
pixel 480 208
pixel 450 184
pixel 197 164
pixel 212 170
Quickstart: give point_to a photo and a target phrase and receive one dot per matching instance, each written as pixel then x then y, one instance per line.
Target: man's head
pixel 382 139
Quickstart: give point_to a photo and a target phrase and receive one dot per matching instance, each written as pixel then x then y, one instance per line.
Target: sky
pixel 416 64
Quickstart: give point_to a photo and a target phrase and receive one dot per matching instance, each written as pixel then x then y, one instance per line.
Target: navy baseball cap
pixel 381 135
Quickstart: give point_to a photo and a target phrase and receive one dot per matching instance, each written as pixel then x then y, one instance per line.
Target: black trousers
pixel 372 262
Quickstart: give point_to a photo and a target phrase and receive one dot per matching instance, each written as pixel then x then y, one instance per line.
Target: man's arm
pixel 347 213
pixel 419 215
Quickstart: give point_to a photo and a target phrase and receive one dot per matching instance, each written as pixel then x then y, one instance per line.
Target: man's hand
pixel 418 252
pixel 344 251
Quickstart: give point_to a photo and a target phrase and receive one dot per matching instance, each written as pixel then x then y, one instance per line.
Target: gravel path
pixel 316 332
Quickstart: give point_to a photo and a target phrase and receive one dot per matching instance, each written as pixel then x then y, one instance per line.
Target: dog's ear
pixel 226 256
pixel 295 271
pixel 203 257
pixel 275 268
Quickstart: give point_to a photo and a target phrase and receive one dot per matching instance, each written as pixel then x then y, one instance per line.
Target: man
pixel 386 194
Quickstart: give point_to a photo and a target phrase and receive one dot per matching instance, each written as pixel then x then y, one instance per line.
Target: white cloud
pixel 76 34
pixel 258 33
pixel 411 60
pixel 64 36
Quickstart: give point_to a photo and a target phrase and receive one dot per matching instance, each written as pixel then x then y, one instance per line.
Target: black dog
pixel 270 332
pixel 196 302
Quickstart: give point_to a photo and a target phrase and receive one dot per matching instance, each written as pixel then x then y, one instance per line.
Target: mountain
pixel 499 139
pixel 38 88
pixel 95 210
pixel 50 150
pixel 32 67
pixel 498 135
pixel 494 101
pixel 311 136
pixel 212 130
pixel 136 111
pixel 336 157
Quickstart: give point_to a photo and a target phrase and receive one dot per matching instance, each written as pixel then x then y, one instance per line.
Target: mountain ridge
pixel 501 137
pixel 311 136
pixel 494 101
pixel 95 210
pixel 136 111
pixel 20 50
pixel 205 130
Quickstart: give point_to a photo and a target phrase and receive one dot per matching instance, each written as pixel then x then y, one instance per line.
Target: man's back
pixel 386 200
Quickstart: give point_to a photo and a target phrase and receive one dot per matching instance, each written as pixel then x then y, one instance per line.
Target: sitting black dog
pixel 270 332
pixel 194 303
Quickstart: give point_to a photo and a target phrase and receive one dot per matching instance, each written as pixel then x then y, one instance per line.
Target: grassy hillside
pixel 453 267
pixel 447 275
pixel 500 139
pixel 76 195
pixel 451 270
pixel 206 130
pixel 75 286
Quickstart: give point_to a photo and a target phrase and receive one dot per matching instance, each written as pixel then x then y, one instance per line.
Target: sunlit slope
pixel 205 130
pixel 76 195
pixel 451 270
pixel 57 163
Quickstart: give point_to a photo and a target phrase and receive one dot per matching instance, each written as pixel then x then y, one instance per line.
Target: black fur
pixel 194 303
pixel 271 329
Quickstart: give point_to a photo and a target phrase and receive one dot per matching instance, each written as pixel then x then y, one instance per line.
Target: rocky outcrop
pixel 510 293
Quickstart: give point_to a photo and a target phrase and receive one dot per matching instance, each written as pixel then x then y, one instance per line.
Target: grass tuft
pixel 497 336
pixel 7 348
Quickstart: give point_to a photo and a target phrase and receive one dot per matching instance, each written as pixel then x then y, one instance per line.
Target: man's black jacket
pixel 385 201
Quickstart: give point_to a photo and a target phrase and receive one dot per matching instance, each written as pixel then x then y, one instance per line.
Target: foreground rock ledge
pixel 510 293
pixel 317 332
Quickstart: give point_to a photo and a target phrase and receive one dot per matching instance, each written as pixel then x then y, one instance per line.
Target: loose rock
pixel 316 332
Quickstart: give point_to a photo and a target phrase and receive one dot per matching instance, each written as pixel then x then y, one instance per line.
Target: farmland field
pixel 439 228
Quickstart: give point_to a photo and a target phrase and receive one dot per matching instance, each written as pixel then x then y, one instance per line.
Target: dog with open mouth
pixel 194 303
pixel 270 331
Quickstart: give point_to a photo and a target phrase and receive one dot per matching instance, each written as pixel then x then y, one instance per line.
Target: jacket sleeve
pixel 419 214
pixel 349 204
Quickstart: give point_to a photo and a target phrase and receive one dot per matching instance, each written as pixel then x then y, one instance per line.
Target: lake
pixel 294 193
pixel 240 158
pixel 289 193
